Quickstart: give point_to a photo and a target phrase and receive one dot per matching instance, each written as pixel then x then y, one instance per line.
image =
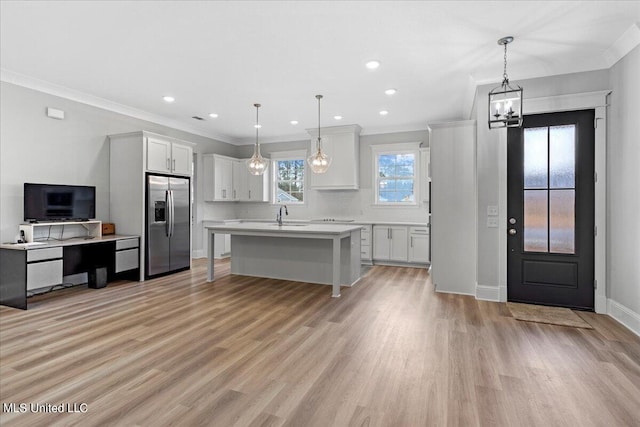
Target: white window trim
pixel 399 148
pixel 288 155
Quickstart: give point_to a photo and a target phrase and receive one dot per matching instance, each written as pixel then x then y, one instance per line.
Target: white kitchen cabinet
pixel 342 144
pixel 390 243
pixel 365 244
pixel 419 244
pixel 167 156
pixel 453 206
pixel 227 179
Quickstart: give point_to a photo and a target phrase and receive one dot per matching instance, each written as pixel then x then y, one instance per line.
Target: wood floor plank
pixel 244 351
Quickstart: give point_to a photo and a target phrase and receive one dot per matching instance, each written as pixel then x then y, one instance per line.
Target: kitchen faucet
pixel 279 215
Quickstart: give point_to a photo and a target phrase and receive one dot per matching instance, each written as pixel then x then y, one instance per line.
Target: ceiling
pixel 225 56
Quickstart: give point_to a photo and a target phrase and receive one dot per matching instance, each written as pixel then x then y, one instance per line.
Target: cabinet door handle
pixel 224 194
pixel 249 194
pixel 174 164
pixel 234 194
pixel 411 240
pixel 168 163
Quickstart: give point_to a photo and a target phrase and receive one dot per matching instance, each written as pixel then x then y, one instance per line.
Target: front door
pixel 550 210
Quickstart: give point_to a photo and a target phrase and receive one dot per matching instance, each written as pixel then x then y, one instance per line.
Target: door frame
pixel 553 104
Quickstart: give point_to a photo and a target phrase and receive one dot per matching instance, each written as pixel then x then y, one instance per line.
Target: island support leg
pixel 210 235
pixel 336 268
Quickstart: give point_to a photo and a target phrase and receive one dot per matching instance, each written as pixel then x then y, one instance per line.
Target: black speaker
pixel 98 278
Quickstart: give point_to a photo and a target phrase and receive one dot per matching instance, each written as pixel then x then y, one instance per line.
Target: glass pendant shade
pixel 257 164
pixel 319 161
pixel 505 101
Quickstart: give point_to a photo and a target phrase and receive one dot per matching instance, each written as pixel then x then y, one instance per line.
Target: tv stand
pixel 34 231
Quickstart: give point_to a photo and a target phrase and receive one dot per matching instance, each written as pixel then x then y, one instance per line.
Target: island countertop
pixel 286 228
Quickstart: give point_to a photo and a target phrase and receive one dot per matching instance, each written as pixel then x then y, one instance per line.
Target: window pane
pixel 405 185
pixel 535 221
pixel 283 169
pixel 405 164
pixel 562 221
pixel 562 156
pixel 535 158
pixel 387 184
pixel 387 196
pixel 298 196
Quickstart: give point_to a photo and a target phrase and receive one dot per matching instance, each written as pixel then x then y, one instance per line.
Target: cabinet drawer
pixel 126 244
pixel 42 254
pixel 126 260
pixel 419 230
pixel 42 274
pixel 365 252
pixel 365 238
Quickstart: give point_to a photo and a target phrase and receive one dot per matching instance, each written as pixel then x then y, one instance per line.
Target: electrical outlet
pixel 492 210
pixel 492 222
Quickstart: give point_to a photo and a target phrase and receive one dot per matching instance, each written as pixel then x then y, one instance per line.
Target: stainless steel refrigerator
pixel 168 243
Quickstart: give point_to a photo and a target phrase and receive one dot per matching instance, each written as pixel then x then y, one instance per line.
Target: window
pixel 288 178
pixel 396 174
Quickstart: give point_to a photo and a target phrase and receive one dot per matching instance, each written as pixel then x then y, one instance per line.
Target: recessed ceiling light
pixel 372 65
pixel 337 117
pixel 168 99
pixel 257 126
pixel 384 112
pixel 294 122
pixel 213 115
pixel 390 91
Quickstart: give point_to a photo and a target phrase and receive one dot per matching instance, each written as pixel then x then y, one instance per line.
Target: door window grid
pixel 549 189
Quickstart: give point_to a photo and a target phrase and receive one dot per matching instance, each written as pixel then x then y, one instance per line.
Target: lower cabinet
pixel 127 255
pixel 365 244
pixel 419 245
pixel 390 243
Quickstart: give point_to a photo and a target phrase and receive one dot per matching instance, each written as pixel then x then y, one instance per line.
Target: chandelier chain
pixel 504 74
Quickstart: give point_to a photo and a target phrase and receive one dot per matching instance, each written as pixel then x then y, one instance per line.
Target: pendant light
pixel 257 164
pixel 505 101
pixel 319 162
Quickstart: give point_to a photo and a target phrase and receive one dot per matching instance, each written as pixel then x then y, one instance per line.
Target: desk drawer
pixel 42 254
pixel 43 274
pixel 126 244
pixel 419 230
pixel 126 260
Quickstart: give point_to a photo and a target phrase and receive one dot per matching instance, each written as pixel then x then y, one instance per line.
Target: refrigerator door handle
pixel 166 213
pixel 172 213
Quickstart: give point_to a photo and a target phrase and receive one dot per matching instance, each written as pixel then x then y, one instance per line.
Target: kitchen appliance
pixel 168 244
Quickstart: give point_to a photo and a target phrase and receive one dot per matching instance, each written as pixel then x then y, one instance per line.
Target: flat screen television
pixel 48 202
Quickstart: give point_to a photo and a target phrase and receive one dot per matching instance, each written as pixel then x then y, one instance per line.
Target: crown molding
pixel 625 44
pixel 105 104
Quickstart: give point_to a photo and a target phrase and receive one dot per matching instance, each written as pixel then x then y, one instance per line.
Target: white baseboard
pixel 624 315
pixel 487 293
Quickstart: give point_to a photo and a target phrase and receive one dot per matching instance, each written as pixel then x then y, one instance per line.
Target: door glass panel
pixel 535 157
pixel 562 156
pixel 535 221
pixel 562 221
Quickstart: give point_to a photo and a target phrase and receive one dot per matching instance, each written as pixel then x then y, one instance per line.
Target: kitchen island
pixel 314 253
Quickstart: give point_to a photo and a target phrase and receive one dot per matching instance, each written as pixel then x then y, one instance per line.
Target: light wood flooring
pixel 253 352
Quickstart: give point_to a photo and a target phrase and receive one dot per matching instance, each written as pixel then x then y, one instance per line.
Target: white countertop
pixel 67 242
pixel 286 228
pixel 313 221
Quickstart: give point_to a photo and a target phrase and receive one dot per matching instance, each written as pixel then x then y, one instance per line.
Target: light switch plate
pixel 492 210
pixel 492 222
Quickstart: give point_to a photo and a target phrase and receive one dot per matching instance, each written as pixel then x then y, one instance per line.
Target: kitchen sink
pixel 289 225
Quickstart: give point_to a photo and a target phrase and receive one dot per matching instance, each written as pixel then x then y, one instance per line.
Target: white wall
pixel 35 148
pixel 488 158
pixel 623 186
pixel 353 204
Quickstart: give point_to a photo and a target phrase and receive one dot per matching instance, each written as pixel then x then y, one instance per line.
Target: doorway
pixel 550 210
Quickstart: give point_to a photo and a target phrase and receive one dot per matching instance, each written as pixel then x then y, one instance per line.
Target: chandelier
pixel 505 101
pixel 257 164
pixel 319 162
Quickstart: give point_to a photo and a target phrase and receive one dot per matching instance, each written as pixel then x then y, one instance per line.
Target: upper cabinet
pixel 342 144
pixel 168 156
pixel 228 180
